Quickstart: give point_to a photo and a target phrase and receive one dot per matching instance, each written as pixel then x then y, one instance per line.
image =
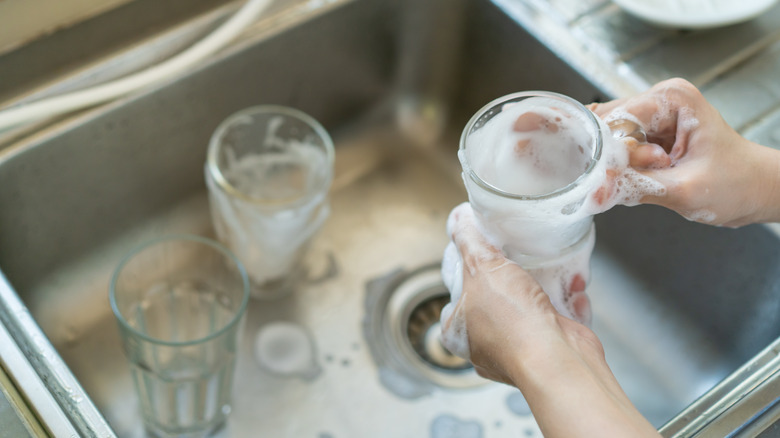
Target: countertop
pixel 736 67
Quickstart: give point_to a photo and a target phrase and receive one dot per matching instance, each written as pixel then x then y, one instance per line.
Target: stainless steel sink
pixel 679 306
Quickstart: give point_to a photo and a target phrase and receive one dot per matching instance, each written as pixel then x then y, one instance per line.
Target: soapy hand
pixel 498 297
pixel 711 173
pixel 515 336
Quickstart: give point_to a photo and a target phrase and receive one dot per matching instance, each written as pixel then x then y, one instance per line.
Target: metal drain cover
pixel 402 330
pixel 424 332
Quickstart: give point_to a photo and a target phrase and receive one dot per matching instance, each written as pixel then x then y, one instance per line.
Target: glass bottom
pixel 184 403
pixel 200 433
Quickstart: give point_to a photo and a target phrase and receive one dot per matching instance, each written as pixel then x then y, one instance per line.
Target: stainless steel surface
pixel 735 66
pixel 13 421
pixel 16 418
pixel 22 372
pixel 70 50
pixel 400 311
pixel 767 425
pixel 743 404
pixel 678 305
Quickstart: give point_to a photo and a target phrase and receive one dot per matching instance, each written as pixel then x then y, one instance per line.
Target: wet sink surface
pixel 677 305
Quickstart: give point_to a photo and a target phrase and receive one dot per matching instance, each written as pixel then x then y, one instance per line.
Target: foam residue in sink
pixel 286 349
pixel 449 426
pixel 517 404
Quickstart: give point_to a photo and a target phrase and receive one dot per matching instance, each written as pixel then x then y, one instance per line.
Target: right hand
pixel 711 173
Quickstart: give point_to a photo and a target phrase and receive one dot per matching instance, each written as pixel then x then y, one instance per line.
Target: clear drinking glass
pixel 269 169
pixel 548 231
pixel 518 216
pixel 180 302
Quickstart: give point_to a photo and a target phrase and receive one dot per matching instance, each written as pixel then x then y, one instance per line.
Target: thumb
pixel 641 153
pixel 667 178
pixel 475 250
pixel 646 155
pixel 602 109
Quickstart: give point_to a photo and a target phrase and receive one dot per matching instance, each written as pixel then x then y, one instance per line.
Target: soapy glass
pixel 179 302
pixel 268 171
pixel 520 218
pixel 550 234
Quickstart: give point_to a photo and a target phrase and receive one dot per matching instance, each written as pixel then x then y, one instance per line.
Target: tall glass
pixel 180 302
pixel 548 230
pixel 269 169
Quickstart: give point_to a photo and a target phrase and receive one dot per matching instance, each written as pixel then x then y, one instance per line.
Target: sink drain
pixel 403 332
pixel 424 332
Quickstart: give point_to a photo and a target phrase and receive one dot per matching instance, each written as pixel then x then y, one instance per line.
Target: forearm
pixel 573 393
pixel 768 184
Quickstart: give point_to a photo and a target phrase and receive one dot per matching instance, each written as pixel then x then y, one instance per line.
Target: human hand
pixel 515 336
pixel 711 173
pixel 499 298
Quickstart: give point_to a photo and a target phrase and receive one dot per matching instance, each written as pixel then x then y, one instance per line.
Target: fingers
pixel 655 123
pixel 646 155
pixel 531 121
pixel 454 333
pixel 476 252
pixel 661 110
pixel 668 177
pixel 602 109
pixel 604 194
pixel 451 271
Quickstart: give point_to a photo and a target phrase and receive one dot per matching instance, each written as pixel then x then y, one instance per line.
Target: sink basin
pixel 678 305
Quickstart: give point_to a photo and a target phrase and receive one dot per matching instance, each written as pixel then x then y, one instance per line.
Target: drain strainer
pixel 403 332
pixel 424 332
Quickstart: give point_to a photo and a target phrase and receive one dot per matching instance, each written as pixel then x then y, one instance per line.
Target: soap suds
pixel 534 150
pixel 284 203
pixel 702 216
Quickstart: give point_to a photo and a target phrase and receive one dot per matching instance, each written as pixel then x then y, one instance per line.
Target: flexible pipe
pixel 111 90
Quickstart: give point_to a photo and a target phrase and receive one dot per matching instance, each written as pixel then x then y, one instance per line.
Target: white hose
pixel 111 90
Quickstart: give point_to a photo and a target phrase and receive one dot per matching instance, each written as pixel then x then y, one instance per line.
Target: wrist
pixel 554 354
pixel 767 185
pixel 557 379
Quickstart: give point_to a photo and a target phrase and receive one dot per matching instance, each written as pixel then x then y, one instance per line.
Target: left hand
pixel 517 337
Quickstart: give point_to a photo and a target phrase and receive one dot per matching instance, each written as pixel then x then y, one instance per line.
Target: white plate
pixel 695 14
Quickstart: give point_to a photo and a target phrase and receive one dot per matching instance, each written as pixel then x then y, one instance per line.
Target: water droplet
pixel 286 349
pixel 77 398
pixel 448 426
pixel 345 363
pixel 69 336
pixel 355 346
pixel 403 385
pixel 329 358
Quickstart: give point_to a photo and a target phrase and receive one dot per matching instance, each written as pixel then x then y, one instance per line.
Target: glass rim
pixel 595 157
pixel 180 237
pixel 219 178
